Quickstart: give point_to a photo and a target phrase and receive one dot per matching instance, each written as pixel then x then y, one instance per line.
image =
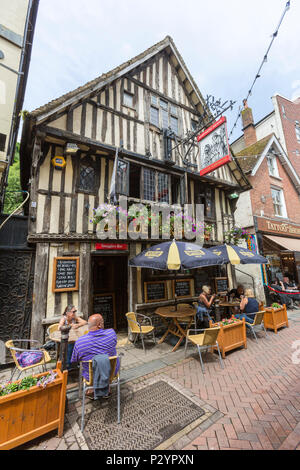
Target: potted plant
pixel 32 407
pixel 276 317
pixel 232 334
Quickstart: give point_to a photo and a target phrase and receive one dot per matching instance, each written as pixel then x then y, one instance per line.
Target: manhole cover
pixel 148 417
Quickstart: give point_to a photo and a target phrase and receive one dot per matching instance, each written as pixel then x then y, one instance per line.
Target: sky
pixel 222 42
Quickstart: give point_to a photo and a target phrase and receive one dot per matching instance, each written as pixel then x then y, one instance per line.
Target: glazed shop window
pixel 278 202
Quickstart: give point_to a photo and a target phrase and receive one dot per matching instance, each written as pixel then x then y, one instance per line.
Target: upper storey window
pixel 163 114
pixel 128 99
pixel 88 175
pixel 272 165
pixel 297 129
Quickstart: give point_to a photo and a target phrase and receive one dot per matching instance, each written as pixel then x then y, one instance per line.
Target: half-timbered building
pixel 68 152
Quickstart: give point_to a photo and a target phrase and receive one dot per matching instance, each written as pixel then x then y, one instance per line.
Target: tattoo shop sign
pixel 214 147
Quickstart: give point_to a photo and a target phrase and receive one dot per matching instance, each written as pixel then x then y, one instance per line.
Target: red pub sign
pixel 214 147
pixel 111 246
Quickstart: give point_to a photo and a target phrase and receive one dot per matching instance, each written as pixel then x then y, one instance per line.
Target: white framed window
pixel 163 114
pixel 278 202
pixel 128 99
pixel 272 165
pixel 297 130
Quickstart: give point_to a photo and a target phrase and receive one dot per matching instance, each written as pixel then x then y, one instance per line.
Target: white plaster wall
pixel 267 127
pixel 13 16
pixel 243 214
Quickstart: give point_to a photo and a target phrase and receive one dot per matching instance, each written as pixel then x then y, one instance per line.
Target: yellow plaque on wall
pixel 59 162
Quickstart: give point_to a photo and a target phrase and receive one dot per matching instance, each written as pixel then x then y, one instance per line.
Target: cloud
pixel 222 44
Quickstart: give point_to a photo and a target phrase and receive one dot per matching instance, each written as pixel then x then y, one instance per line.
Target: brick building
pixel 271 211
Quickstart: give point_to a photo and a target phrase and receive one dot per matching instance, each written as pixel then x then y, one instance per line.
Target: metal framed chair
pixel 257 323
pixel 205 340
pixel 114 380
pixel 138 329
pixel 11 345
pixel 50 330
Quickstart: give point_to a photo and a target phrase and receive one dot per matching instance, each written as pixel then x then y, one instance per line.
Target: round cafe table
pixel 74 334
pixel 178 321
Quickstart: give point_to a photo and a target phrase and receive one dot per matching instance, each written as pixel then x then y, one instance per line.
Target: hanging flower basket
pixel 235 236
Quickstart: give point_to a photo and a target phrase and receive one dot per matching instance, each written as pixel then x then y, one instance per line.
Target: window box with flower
pixel 32 407
pixel 232 334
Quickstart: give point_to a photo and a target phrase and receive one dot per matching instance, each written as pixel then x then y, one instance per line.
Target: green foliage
pixel 13 195
pixel 276 305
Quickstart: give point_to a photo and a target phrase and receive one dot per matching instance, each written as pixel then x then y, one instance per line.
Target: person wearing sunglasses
pixel 70 318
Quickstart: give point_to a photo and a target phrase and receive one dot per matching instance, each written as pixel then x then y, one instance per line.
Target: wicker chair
pixel 257 323
pixel 11 345
pixel 138 329
pixel 205 340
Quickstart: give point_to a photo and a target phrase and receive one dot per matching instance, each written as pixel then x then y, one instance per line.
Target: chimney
pixel 248 125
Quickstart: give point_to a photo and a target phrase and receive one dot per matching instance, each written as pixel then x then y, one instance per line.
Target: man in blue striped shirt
pixel 97 341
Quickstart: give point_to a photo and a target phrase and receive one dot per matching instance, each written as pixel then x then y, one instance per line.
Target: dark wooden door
pixel 110 276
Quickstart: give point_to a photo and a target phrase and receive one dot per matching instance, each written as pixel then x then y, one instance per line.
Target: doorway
pixel 109 285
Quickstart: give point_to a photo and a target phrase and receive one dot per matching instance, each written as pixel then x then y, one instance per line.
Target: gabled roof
pixel 93 86
pixel 249 156
pixel 252 157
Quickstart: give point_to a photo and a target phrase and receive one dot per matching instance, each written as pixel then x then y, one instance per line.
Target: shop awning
pixel 291 244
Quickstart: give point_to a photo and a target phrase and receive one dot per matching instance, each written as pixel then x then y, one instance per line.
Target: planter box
pixel 231 336
pixel 28 414
pixel 275 318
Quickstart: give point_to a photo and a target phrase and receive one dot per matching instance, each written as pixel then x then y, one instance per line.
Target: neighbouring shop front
pixel 280 243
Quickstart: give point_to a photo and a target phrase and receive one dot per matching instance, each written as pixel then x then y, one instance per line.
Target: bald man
pixel 97 341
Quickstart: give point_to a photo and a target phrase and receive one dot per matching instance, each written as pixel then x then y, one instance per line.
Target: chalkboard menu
pixel 65 274
pixel 183 288
pixel 221 285
pixel 155 291
pixel 105 305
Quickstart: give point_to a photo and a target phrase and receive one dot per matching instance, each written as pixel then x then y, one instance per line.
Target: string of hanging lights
pixel 265 59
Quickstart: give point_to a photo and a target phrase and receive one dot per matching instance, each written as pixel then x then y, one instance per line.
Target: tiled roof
pixel 249 156
pixel 167 41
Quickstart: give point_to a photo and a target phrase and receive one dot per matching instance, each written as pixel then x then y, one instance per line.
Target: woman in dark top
pixel 249 306
pixel 205 302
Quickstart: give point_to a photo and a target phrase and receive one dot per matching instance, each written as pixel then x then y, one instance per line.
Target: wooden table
pixel 171 316
pixel 229 305
pixel 74 334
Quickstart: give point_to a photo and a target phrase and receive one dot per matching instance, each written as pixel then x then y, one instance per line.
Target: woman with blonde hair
pixel 205 302
pixel 248 306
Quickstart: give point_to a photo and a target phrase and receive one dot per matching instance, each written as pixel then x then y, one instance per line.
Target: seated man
pixel 236 293
pixel 97 341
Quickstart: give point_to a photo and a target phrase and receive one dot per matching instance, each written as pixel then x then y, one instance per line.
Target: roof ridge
pixel 168 39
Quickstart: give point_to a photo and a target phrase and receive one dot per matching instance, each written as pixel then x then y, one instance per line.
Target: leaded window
pixel 87 175
pixel 149 184
pixel 128 99
pixel 164 114
pixel 163 187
